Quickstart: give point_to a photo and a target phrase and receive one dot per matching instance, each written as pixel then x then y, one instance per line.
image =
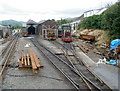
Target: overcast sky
pixel 22 10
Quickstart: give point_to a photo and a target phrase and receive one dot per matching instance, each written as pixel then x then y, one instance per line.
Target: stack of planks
pixel 30 60
pixel 84 49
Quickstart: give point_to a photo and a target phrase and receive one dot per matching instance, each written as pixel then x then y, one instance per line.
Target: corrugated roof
pixel 29 22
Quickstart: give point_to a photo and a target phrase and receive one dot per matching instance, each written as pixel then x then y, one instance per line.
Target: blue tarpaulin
pixel 112 62
pixel 114 44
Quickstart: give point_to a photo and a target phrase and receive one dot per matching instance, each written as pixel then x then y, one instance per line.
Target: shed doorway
pixel 31 30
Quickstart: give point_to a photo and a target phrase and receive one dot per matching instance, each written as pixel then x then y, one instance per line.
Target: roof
pixel 31 22
pixel 1 27
pixel 42 21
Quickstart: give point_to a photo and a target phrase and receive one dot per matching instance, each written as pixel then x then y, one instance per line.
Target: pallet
pixel 30 60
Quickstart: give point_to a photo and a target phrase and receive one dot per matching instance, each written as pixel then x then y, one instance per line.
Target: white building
pixel 93 12
pixel 85 15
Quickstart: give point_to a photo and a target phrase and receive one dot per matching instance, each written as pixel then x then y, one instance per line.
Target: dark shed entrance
pixel 31 26
pixel 31 30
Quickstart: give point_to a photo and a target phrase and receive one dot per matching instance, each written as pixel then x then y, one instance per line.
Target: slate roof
pixel 31 22
pixel 42 21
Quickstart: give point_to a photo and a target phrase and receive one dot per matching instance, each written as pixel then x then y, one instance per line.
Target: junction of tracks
pixel 65 66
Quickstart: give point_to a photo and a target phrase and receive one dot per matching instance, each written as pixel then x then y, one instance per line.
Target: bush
pixel 108 20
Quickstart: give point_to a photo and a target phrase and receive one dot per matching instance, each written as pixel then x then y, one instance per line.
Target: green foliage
pixel 4 25
pixel 92 22
pixel 53 19
pixel 63 21
pixel 109 20
pixel 16 27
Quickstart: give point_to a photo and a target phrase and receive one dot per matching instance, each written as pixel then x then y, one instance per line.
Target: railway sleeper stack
pixel 30 60
pixel 84 49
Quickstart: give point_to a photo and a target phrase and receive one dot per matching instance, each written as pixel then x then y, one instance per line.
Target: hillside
pixel 11 22
pixel 101 36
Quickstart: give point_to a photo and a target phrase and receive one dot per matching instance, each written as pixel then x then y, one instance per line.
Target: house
pixel 4 31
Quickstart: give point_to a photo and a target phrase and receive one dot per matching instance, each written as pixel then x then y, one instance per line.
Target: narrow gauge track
pixel 6 48
pixel 77 64
pixel 7 54
pixel 67 70
pixel 6 39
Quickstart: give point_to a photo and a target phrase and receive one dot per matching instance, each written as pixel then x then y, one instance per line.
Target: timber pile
pixel 30 60
pixel 84 49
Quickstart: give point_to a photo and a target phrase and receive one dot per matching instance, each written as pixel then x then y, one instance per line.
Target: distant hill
pixel 12 22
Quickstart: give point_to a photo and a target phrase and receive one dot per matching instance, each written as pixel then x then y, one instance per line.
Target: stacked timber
pixel 30 60
pixel 84 49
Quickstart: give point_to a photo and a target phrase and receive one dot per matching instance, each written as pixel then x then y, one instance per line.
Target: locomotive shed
pixel 49 77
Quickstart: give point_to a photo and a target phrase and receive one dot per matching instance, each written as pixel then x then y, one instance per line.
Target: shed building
pixel 31 27
pixel 4 31
pixel 47 26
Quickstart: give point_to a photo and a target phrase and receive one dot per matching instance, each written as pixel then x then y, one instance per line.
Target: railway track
pixel 7 39
pixel 80 68
pixel 4 51
pixel 7 54
pixel 78 80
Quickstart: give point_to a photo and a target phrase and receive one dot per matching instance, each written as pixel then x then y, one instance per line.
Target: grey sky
pixel 22 10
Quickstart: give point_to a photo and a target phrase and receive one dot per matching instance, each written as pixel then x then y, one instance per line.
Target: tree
pixel 109 20
pixel 63 21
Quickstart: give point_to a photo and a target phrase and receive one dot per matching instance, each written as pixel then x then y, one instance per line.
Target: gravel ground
pixel 108 73
pixel 47 78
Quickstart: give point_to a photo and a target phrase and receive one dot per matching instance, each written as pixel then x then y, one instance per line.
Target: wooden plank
pixel 28 61
pixel 23 66
pixel 37 61
pixel 25 60
pixel 81 48
pixel 32 61
pixel 22 60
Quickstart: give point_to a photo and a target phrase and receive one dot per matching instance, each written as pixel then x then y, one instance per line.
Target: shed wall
pixel 45 26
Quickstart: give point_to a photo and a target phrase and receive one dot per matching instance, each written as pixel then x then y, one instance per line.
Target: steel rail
pixel 63 62
pixel 103 84
pixel 7 59
pixel 79 73
pixel 6 48
pixel 86 80
pixel 93 74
